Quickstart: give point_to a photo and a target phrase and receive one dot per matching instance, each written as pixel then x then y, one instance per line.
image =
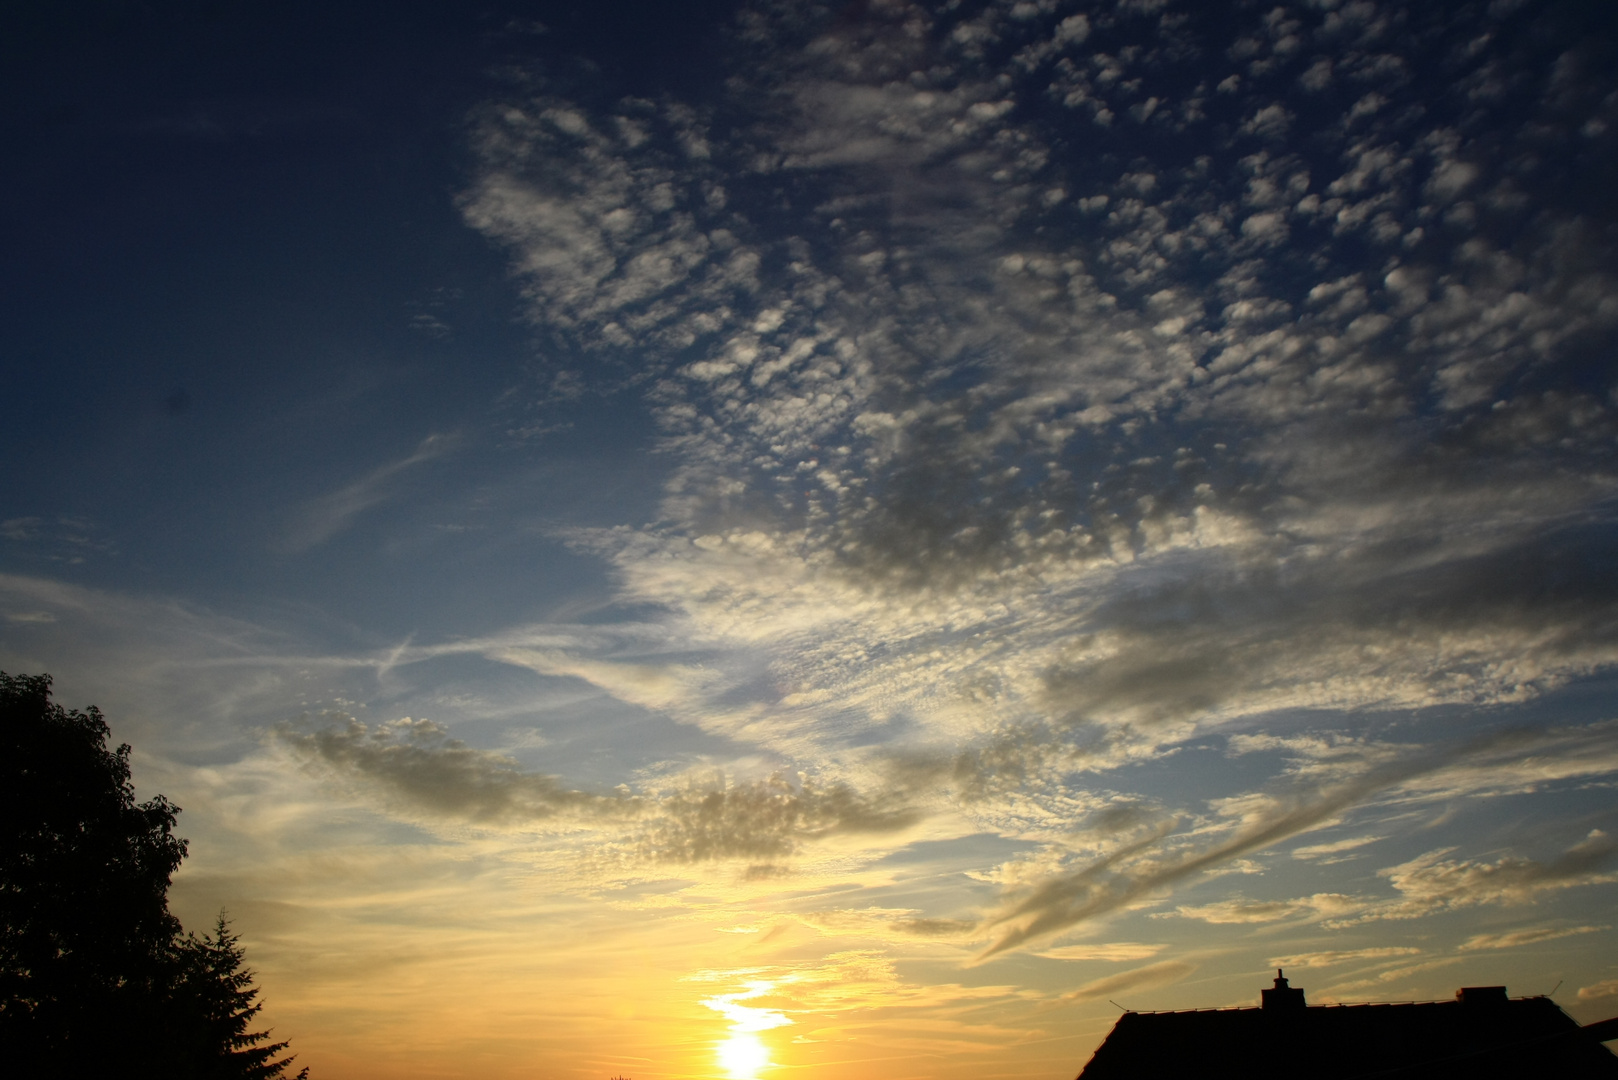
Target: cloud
pixel 1241 911
pixel 416 765
pixel 1395 974
pixel 1335 847
pixel 1529 936
pixel 1115 951
pixel 1335 957
pixel 654 686
pixel 762 820
pixel 997 464
pixel 821 992
pixel 1049 400
pixel 419 764
pixel 935 928
pixel 1131 873
pixel 892 924
pixel 963 414
pixel 1152 975
pixel 1432 883
pixel 59 540
pixel 173 677
pixel 20 528
pixel 1604 990
pixel 1001 462
pixel 322 518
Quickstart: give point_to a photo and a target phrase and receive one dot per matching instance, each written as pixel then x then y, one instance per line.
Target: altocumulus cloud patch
pixel 1048 387
pixel 696 818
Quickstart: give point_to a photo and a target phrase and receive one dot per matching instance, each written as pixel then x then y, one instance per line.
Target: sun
pixel 742 1056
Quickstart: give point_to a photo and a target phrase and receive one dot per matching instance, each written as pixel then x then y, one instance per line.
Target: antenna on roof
pixel 1555 988
pixel 1120 1008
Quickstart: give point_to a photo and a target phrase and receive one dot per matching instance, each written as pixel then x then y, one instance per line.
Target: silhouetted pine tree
pixel 95 977
pixel 216 991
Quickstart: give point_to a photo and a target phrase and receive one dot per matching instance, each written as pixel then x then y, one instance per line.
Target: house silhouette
pixel 1481 1035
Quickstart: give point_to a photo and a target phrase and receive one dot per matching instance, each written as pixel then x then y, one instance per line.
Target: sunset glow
pixel 744 1054
pixel 830 540
pixel 743 1057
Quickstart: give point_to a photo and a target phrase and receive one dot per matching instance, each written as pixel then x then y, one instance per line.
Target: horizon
pixel 746 540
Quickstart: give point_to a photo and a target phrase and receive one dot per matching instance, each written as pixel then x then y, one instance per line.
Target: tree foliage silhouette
pixel 96 978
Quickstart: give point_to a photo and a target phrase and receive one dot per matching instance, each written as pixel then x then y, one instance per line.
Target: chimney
pixel 1283 998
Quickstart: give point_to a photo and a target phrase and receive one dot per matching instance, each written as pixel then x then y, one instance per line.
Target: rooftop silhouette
pixel 1481 1035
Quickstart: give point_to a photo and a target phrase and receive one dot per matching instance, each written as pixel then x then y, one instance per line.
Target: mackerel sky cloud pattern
pixel 1047 388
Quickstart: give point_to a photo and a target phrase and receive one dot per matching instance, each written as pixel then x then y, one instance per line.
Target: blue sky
pixel 655 540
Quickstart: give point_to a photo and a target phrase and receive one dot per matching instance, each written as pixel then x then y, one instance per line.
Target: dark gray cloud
pixel 764 819
pixel 417 764
pixel 418 767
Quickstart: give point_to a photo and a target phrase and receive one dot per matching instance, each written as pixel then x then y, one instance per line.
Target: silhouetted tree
pixel 95 977
pixel 217 996
pixel 84 877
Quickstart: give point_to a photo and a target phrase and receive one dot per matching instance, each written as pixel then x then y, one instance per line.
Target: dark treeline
pixel 97 978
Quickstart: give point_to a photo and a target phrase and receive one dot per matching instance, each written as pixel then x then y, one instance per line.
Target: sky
pixel 771 539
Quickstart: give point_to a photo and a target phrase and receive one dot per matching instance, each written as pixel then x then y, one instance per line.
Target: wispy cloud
pixel 1431 882
pixel 1334 848
pixel 1529 936
pixel 322 518
pixel 889 924
pixel 1240 911
pixel 1402 972
pixel 1132 873
pixel 832 990
pixel 1114 951
pixel 1143 978
pixel 1334 957
pixel 1605 990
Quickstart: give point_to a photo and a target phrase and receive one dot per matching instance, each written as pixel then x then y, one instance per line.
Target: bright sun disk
pixel 742 1056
